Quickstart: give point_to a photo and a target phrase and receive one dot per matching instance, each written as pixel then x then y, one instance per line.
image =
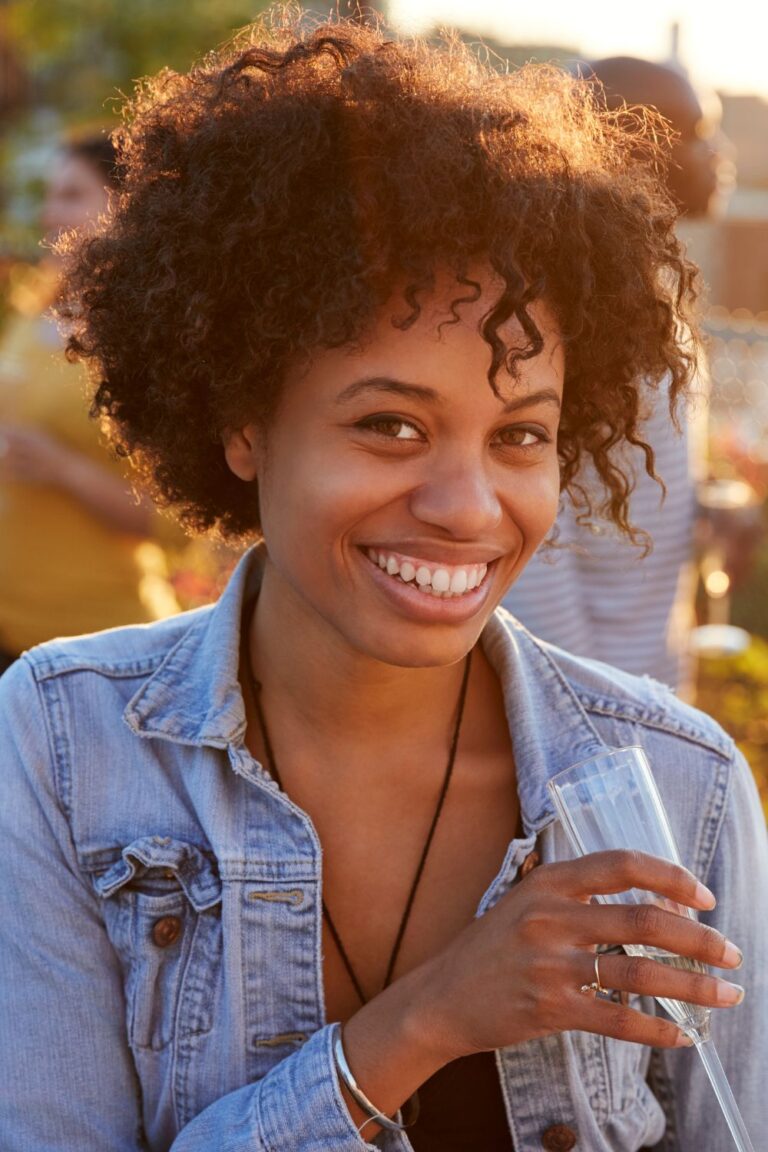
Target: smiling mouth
pixel 447 582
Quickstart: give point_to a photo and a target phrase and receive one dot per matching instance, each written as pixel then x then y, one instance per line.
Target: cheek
pixel 315 499
pixel 535 500
pixel 311 500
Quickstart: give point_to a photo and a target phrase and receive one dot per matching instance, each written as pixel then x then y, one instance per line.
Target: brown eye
pixel 517 437
pixel 393 427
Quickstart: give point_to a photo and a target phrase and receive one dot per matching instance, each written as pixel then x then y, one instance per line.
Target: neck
pixel 309 675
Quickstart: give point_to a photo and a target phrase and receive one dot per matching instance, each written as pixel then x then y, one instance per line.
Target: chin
pixel 421 647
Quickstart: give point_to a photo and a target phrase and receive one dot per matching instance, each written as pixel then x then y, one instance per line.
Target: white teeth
pixel 459 582
pixel 441 583
pixel 441 580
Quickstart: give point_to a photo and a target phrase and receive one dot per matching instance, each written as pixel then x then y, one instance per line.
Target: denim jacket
pixel 160 944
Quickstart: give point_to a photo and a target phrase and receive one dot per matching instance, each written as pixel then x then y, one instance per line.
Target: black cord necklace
pixel 274 772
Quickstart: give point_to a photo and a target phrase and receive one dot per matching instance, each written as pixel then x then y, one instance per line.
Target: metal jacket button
pixel 166 931
pixel 558 1138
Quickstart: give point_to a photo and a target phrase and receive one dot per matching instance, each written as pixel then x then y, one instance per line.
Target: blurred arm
pixel 32 456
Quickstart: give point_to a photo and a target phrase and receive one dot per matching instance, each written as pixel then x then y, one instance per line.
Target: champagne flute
pixel 611 801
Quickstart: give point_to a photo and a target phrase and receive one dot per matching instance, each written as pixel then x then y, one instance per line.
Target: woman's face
pixel 399 497
pixel 74 195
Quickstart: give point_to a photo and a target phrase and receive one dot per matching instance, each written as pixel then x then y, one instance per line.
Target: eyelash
pixel 374 424
pixel 542 437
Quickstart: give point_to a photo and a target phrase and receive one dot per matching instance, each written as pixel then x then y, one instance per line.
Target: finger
pixel 623 1023
pixel 654 927
pixel 606 873
pixel 647 977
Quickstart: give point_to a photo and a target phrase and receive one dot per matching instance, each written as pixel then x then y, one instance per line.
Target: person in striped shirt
pixel 595 593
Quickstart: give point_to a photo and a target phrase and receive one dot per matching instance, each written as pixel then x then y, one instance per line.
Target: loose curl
pixel 276 196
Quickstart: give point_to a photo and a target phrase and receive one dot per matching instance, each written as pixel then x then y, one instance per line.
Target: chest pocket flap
pixel 162 901
pixel 161 858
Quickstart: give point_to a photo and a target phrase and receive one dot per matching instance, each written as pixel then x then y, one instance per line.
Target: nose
pixel 458 496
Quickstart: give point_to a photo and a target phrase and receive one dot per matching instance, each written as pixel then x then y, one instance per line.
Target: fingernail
pixel 684 1041
pixel 729 993
pixel 704 896
pixel 733 955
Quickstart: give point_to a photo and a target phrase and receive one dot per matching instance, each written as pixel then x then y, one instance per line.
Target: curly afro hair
pixel 276 196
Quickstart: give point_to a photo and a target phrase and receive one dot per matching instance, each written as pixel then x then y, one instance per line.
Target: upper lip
pixel 433 552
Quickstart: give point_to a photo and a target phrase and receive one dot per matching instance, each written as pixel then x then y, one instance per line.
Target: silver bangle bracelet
pixel 371 1111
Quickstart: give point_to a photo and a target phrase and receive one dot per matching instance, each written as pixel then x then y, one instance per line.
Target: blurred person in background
pixel 74 539
pixel 597 594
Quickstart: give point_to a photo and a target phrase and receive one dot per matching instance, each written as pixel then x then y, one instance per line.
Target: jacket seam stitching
pixel 43 674
pixel 721 816
pixel 724 751
pixel 61 777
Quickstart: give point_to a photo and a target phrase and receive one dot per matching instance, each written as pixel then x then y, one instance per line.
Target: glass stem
pixel 725 1098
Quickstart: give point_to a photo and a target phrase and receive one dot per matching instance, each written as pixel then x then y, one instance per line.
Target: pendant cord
pixel 433 826
pixel 275 773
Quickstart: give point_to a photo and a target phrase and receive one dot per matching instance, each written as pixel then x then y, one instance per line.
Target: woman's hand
pixel 517 972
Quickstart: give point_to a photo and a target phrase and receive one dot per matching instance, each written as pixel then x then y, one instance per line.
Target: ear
pixel 243 450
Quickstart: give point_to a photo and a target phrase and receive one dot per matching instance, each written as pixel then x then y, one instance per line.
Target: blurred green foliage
pixel 750 605
pixel 81 59
pixel 735 692
pixel 81 53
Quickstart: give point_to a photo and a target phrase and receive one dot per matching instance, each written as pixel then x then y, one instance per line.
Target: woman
pixel 75 551
pixel 352 288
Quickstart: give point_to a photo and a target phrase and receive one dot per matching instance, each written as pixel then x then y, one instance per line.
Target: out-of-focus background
pixel 65 65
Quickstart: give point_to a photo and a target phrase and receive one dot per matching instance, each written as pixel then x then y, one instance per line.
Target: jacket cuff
pixel 300 1105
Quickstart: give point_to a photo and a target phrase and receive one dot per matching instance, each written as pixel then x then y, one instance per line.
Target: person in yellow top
pixel 75 547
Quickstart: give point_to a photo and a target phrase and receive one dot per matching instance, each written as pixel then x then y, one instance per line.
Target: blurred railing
pixel 738 414
pixel 733 685
pixel 730 530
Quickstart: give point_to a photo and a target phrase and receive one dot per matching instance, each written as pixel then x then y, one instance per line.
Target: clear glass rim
pixel 564 786
pixel 566 772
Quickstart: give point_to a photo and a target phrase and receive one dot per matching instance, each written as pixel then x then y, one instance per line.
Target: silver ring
pixel 595 986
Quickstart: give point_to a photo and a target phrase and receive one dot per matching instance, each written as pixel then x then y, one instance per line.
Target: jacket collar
pixel 194 696
pixel 550 729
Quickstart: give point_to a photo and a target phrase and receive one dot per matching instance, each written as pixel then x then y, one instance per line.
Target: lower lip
pixel 425 606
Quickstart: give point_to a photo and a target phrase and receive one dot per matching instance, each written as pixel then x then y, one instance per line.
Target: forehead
pixel 450 304
pixel 443 347
pixel 452 320
pixel 69 171
pixel 639 82
pixel 690 113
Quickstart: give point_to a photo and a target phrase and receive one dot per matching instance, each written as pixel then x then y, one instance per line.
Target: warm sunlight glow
pixel 721 46
pixel 717 583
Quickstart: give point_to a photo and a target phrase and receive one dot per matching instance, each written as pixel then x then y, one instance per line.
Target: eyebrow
pixel 430 396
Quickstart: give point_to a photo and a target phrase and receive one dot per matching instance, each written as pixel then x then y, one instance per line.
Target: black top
pixel 462 1109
